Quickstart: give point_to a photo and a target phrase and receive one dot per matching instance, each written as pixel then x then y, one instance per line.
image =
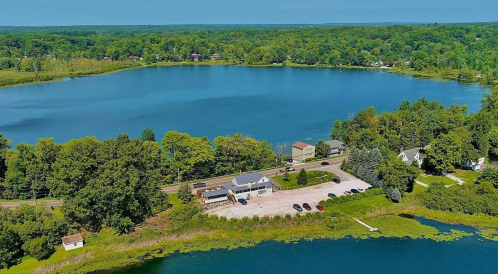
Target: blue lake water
pixel 274 104
pixel 372 256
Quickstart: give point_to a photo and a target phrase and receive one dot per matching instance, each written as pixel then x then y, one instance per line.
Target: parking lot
pixel 280 203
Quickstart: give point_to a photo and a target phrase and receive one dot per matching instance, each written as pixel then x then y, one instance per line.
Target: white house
pixel 475 165
pixel 249 185
pixel 214 196
pixel 72 242
pixel 411 155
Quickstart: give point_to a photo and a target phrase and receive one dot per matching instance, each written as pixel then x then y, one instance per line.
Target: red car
pixel 319 207
pixel 307 206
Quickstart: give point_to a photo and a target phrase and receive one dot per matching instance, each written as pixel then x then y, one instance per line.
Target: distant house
pixel 106 58
pixel 215 56
pixel 72 242
pixel 134 58
pixel 196 57
pixel 474 165
pixel 302 151
pixel 214 196
pixel 249 185
pixel 336 147
pixel 408 156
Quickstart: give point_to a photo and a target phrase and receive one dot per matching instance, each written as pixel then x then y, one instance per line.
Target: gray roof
pixel 212 193
pixel 246 178
pixel 244 187
pixel 410 154
pixel 334 143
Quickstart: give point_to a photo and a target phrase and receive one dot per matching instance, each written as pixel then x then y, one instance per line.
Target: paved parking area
pixel 280 203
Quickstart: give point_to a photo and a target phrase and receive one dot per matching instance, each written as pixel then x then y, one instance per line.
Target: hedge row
pixel 354 197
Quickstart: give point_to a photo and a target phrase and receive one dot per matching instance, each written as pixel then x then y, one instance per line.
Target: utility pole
pixel 36 204
pixel 178 175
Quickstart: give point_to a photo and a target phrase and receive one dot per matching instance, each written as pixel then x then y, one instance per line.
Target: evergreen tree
pixel 185 194
pixel 375 160
pixel 148 135
pixel 302 178
pixel 286 176
pixel 396 195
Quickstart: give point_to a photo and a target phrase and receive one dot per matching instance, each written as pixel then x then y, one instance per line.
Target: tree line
pixel 441 48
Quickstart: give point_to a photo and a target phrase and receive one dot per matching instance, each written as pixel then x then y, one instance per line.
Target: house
pixel 196 57
pixel 302 151
pixel 474 165
pixel 249 185
pixel 215 56
pixel 214 196
pixel 134 58
pixel 72 242
pixel 336 147
pixel 107 59
pixel 410 155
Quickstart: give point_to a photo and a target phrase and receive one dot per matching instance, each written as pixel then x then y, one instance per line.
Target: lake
pixel 274 104
pixel 372 256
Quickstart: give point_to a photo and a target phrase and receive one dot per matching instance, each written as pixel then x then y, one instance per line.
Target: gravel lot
pixel 280 203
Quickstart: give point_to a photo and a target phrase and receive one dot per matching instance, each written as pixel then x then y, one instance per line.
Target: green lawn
pixel 315 177
pixel 467 175
pixel 29 200
pixel 360 207
pixel 429 179
pixel 173 199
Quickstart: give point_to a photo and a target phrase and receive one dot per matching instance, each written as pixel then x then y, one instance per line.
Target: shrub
pixel 38 248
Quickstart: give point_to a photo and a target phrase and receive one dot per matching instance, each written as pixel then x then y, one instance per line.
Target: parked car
pixel 361 189
pixel 297 207
pixel 347 192
pixel 319 207
pixel 289 168
pixel 289 161
pixel 199 185
pixel 307 206
pixel 336 180
pixel 325 163
pixel 354 190
pixel 331 195
pixel 242 201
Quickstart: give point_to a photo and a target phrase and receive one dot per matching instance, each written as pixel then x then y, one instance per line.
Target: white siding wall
pixel 72 246
pixel 221 199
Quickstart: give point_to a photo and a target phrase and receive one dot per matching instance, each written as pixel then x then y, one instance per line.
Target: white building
pixel 411 155
pixel 475 165
pixel 72 242
pixel 249 185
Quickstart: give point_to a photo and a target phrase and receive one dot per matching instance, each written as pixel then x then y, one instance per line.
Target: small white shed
pixel 72 242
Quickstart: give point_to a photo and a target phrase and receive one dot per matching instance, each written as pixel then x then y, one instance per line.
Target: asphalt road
pixel 333 167
pixel 270 173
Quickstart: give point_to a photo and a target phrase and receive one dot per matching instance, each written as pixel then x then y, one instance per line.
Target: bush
pixel 38 248
pixel 347 198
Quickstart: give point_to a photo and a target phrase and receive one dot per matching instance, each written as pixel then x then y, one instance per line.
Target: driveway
pixel 280 202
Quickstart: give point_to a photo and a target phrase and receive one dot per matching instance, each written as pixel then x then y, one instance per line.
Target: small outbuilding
pixel 72 242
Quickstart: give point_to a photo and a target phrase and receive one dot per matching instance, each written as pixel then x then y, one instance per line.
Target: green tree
pixel 38 248
pixel 10 245
pixel 302 178
pixel 396 174
pixel 396 195
pixel 185 194
pixel 148 135
pixel 336 130
pixel 489 175
pixel 322 149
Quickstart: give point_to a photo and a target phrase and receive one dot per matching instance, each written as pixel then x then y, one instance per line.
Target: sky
pixel 159 12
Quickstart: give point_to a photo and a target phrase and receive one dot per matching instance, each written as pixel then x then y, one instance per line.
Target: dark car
pixel 289 160
pixel 307 206
pixel 297 207
pixel 354 190
pixel 332 195
pixel 242 201
pixel 325 163
pixel 319 207
pixel 199 185
pixel 289 168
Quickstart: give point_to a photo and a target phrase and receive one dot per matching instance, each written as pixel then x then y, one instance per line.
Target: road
pixel 45 202
pixel 333 167
pixel 270 173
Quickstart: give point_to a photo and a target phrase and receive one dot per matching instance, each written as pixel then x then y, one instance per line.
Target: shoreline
pixel 418 74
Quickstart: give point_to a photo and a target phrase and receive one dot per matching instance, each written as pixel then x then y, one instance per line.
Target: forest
pixel 466 52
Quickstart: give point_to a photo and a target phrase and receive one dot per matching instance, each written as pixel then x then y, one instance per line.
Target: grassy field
pixel 468 176
pixel 429 179
pixel 315 177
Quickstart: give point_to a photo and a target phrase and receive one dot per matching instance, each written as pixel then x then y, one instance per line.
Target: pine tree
pixel 302 178
pixel 375 159
pixel 185 194
pixel 286 176
pixel 396 195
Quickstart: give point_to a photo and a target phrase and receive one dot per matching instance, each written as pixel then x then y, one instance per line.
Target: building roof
pixel 244 187
pixel 410 154
pixel 246 178
pixel 334 143
pixel 300 145
pixel 213 193
pixel 72 239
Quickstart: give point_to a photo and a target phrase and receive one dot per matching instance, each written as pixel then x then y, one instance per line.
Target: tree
pixel 38 248
pixel 302 178
pixel 286 176
pixel 396 174
pixel 322 149
pixel 396 195
pixel 281 149
pixel 489 175
pixel 445 153
pixel 185 194
pixel 4 145
pixel 10 245
pixel 336 130
pixel 148 135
